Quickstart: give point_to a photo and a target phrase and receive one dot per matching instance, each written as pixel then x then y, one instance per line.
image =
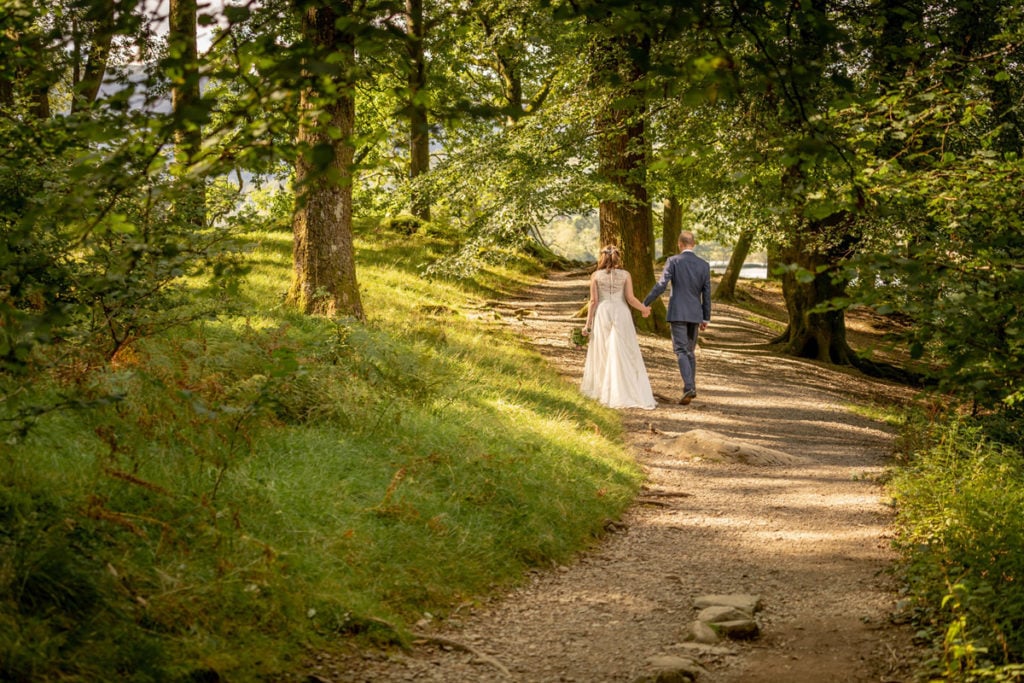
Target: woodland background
pixel 247 377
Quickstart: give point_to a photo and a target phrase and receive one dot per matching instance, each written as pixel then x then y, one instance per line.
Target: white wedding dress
pixel 614 372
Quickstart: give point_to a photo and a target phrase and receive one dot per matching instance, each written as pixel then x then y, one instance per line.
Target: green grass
pixel 960 530
pixel 894 416
pixel 268 481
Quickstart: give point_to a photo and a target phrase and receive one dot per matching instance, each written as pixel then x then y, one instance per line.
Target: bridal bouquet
pixel 578 339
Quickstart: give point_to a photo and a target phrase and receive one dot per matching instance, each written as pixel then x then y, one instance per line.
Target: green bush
pixel 403 224
pixel 960 533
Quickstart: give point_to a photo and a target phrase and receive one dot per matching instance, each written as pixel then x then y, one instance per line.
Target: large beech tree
pixel 619 67
pixel 818 236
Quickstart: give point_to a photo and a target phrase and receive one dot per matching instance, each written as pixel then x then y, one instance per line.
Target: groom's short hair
pixel 686 238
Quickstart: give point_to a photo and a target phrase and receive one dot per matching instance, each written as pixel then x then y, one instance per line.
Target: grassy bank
pixel 222 498
pixel 959 492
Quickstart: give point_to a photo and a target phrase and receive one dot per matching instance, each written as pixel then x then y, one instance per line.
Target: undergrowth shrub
pixel 960 518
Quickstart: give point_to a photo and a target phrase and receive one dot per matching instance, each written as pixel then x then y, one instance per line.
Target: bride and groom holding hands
pixel 614 372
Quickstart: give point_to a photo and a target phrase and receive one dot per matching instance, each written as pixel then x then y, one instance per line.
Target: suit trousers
pixel 684 343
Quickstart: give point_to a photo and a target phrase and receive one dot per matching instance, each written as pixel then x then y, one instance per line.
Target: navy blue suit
pixel 689 305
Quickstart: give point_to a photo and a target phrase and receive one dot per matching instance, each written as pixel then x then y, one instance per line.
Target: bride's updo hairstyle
pixel 610 258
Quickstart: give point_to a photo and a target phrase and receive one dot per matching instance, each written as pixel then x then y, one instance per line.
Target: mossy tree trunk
pixel 323 250
pixel 625 214
pixel 809 282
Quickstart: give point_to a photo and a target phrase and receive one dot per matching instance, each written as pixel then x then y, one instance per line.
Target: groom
pixel 689 306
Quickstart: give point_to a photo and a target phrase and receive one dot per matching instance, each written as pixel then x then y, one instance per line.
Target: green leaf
pixel 820 210
pixel 804 276
pixel 116 223
pixel 237 14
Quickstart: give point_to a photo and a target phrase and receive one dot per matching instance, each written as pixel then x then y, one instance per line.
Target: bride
pixel 614 372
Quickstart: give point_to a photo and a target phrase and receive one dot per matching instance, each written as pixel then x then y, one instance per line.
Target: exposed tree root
pixel 664 494
pixel 482 656
pixel 888 371
pixel 442 640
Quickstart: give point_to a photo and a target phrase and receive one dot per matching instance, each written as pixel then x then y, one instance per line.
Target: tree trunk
pixel 323 250
pixel 810 258
pixel 6 92
pixel 813 333
pixel 726 289
pixel 28 72
pixel 511 88
pixel 671 226
pixel 88 81
pixel 625 216
pixel 190 203
pixel 419 129
pixel 40 90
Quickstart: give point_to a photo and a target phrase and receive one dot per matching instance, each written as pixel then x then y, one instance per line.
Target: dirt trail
pixel 812 540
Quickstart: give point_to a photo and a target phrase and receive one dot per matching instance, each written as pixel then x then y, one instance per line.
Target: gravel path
pixel 811 539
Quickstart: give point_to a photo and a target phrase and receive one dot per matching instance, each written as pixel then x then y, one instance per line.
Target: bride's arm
pixel 631 298
pixel 592 306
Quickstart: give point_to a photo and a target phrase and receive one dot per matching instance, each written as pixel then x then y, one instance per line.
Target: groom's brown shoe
pixel 687 397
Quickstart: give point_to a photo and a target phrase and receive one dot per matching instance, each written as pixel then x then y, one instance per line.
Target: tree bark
pixel 40 91
pixel 88 81
pixel 323 249
pixel 190 203
pixel 625 215
pixel 671 226
pixel 419 128
pixel 28 72
pixel 511 87
pixel 726 289
pixel 816 331
pixel 6 92
pixel 814 248
pixel 817 248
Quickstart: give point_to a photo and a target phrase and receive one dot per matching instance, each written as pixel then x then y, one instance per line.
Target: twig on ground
pixel 483 656
pixel 647 493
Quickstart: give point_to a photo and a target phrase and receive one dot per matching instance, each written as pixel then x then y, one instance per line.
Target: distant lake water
pixel 750 271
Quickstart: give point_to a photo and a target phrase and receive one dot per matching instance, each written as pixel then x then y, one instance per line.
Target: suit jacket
pixel 690 301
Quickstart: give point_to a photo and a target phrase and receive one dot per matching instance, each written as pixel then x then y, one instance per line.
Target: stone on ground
pixel 716 614
pixel 699 632
pixel 744 601
pixel 731 616
pixel 671 669
pixel 740 629
pixel 709 445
